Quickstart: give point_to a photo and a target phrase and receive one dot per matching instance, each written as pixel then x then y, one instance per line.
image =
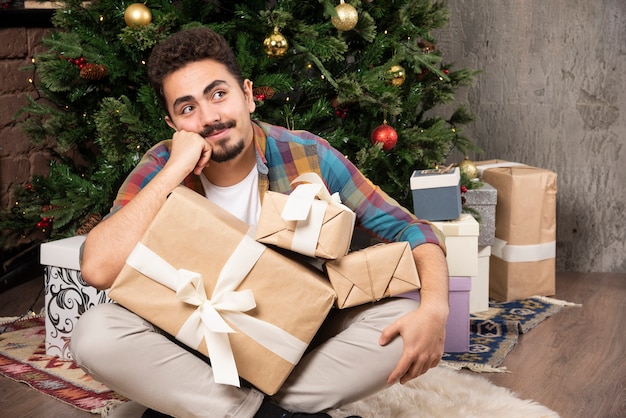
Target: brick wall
pixel 20 159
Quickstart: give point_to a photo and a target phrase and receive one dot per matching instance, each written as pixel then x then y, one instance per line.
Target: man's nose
pixel 210 115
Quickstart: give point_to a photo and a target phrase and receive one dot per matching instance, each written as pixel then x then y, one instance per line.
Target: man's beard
pixel 222 151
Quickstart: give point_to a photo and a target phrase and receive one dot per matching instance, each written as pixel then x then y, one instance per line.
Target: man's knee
pixel 90 336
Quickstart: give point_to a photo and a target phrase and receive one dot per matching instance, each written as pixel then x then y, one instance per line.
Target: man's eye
pixel 219 94
pixel 186 109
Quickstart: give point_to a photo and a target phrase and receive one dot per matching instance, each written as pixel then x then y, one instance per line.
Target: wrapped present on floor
pixel 436 194
pixel 479 295
pixel 66 295
pixel 373 273
pixel 309 221
pixel 483 201
pixel 523 255
pixel 198 275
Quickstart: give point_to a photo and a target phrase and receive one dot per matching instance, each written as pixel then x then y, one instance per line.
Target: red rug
pixel 23 358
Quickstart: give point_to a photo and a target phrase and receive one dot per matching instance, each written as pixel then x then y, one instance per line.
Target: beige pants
pixel 136 359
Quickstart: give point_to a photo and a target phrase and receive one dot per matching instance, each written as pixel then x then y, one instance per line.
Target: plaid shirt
pixel 283 155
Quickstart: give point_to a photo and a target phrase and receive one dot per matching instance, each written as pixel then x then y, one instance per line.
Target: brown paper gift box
pixel 373 273
pixel 334 238
pixel 522 263
pixel 191 233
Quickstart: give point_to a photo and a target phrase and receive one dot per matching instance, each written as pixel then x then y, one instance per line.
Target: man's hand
pixel 423 332
pixel 190 152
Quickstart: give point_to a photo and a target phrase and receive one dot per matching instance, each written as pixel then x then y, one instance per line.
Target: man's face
pixel 204 97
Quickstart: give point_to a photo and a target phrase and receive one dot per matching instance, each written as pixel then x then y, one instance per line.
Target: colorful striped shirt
pixel 283 155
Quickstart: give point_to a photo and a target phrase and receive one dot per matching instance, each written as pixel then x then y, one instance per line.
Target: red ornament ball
pixel 385 135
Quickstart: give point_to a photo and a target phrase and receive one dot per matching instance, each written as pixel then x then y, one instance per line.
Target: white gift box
pixel 462 245
pixel 479 295
pixel 67 296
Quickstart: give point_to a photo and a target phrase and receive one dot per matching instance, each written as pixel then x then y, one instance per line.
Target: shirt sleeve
pixel 150 164
pixel 376 211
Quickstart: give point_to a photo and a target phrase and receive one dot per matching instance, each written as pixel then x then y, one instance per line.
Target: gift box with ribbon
pixel 198 274
pixel 373 273
pixel 523 255
pixel 308 221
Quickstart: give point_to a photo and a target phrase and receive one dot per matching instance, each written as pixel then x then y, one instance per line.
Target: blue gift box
pixel 436 194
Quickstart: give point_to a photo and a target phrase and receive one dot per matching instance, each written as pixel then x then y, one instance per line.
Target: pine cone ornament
pixel 93 72
pixel 91 221
pixel 263 93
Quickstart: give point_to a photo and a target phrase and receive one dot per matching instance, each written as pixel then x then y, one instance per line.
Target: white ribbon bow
pixel 208 321
pixel 308 212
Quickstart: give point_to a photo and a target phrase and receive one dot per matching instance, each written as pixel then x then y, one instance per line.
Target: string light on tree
pixel 347 17
pixel 386 135
pixel 275 45
pixel 137 14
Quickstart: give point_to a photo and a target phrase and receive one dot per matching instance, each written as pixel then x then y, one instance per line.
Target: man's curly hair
pixel 185 47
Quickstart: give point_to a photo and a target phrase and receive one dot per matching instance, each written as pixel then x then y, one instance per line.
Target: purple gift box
pixel 457 327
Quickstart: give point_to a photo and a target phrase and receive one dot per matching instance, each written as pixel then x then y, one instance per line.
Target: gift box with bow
pixel 198 275
pixel 309 221
pixel 374 273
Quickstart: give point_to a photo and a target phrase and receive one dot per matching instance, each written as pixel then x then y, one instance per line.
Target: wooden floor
pixel 573 362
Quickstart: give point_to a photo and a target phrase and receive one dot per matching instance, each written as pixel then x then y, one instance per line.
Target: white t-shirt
pixel 241 199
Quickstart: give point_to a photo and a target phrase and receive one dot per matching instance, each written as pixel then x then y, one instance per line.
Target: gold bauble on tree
pixel 468 167
pixel 347 17
pixel 137 14
pixel 399 75
pixel 275 45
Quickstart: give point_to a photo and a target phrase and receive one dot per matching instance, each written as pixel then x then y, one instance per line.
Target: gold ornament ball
pixel 276 44
pixel 468 168
pixel 347 17
pixel 137 14
pixel 399 75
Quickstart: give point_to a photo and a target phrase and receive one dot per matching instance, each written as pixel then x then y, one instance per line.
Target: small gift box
pixel 198 275
pixel 461 245
pixel 523 255
pixel 436 194
pixel 373 273
pixel 483 200
pixel 309 221
pixel 458 325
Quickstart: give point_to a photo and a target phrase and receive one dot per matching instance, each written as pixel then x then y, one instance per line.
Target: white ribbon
pixel 308 212
pixel 208 321
pixel 523 253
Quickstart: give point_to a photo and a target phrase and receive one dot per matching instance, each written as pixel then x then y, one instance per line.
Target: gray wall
pixel 552 93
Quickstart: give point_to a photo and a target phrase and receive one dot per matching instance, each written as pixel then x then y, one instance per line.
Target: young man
pixel 219 151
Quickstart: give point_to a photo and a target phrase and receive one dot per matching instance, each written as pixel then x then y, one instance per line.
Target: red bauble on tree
pixel 385 135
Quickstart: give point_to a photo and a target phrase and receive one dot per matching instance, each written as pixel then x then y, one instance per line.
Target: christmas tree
pixel 364 74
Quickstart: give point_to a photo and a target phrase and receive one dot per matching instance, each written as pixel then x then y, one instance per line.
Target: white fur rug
pixel 445 393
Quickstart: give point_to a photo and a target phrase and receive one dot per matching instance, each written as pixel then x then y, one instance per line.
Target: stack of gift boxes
pixel 510 254
pixel 230 263
pixel 241 294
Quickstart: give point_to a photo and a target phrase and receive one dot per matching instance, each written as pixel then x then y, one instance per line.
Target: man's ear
pixel 170 123
pixel 247 91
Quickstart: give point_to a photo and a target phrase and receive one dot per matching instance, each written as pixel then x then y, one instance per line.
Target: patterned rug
pixel 23 358
pixel 494 333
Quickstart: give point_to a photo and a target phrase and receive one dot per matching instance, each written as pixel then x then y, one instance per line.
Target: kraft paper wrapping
pixel 334 237
pixel 374 273
pixel 522 263
pixel 193 234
